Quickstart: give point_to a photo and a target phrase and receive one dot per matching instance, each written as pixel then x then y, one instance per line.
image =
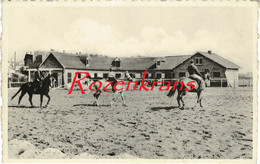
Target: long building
pixel 64 65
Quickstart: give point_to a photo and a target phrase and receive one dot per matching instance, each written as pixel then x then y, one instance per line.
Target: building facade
pixel 63 67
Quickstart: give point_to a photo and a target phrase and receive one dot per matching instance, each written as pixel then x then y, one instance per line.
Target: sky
pixel 131 31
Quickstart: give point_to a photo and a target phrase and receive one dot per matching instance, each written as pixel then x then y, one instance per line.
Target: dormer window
pixel 160 62
pixel 116 62
pixel 87 61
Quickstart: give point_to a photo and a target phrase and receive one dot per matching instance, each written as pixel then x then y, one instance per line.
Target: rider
pixel 111 77
pixel 195 74
pixel 127 76
pixel 38 77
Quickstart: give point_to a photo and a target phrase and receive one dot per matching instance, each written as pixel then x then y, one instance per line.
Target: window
pixel 216 74
pixel 158 63
pixel 117 63
pixel 105 75
pixel 158 75
pixel 118 75
pixel 133 75
pixel 138 75
pixel 79 75
pixel 147 75
pixel 198 61
pixel 182 74
pixel 95 75
pixel 69 77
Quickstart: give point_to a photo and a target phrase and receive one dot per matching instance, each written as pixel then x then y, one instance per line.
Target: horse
pixel 43 90
pixel 182 88
pixel 109 88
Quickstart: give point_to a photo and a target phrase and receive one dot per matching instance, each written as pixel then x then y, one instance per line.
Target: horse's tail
pixel 172 92
pixel 16 93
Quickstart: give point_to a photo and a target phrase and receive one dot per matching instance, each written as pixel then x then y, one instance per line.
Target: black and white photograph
pixel 133 82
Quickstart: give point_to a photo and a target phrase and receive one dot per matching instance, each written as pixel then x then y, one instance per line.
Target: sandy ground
pixel 150 126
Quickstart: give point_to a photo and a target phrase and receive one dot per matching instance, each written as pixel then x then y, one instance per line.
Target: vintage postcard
pixel 129 81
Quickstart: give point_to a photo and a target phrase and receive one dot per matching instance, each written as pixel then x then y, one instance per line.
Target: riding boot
pixel 35 87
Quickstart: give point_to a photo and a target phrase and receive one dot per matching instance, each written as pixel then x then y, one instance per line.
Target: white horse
pixel 106 86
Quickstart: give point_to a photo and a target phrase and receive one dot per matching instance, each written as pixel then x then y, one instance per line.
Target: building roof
pixel 99 62
pixel 137 63
pixel 68 61
pixel 220 60
pixel 172 61
pixel 34 65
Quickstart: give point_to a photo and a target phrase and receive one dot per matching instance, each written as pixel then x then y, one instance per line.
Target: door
pixel 55 75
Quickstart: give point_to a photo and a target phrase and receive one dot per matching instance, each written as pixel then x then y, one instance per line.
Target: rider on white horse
pixel 111 77
pixel 127 76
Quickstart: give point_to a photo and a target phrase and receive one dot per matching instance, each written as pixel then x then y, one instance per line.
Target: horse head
pixel 48 80
pixel 206 74
pixel 88 80
pixel 128 78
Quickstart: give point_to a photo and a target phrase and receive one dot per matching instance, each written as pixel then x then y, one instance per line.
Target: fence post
pixel 221 82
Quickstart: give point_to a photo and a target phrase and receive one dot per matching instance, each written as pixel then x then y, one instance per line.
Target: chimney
pixel 210 52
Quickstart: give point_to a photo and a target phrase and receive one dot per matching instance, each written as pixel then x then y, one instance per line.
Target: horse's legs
pixel 182 100
pixel 49 98
pixel 178 99
pixel 21 96
pixel 30 98
pixel 96 95
pixel 41 99
pixel 123 99
pixel 199 98
pixel 114 99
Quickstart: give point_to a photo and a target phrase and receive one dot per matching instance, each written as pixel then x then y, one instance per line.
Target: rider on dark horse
pixel 195 74
pixel 38 77
pixel 111 77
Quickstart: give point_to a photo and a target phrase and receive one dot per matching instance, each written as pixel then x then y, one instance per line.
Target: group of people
pixel 192 70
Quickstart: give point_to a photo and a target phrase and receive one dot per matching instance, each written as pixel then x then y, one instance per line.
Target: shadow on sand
pixel 164 108
pixel 22 106
pixel 89 105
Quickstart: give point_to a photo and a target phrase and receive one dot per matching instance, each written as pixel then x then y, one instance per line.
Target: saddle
pixel 37 86
pixel 187 80
pixel 114 81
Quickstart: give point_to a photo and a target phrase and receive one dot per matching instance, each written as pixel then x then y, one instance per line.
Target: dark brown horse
pixel 29 88
pixel 183 88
